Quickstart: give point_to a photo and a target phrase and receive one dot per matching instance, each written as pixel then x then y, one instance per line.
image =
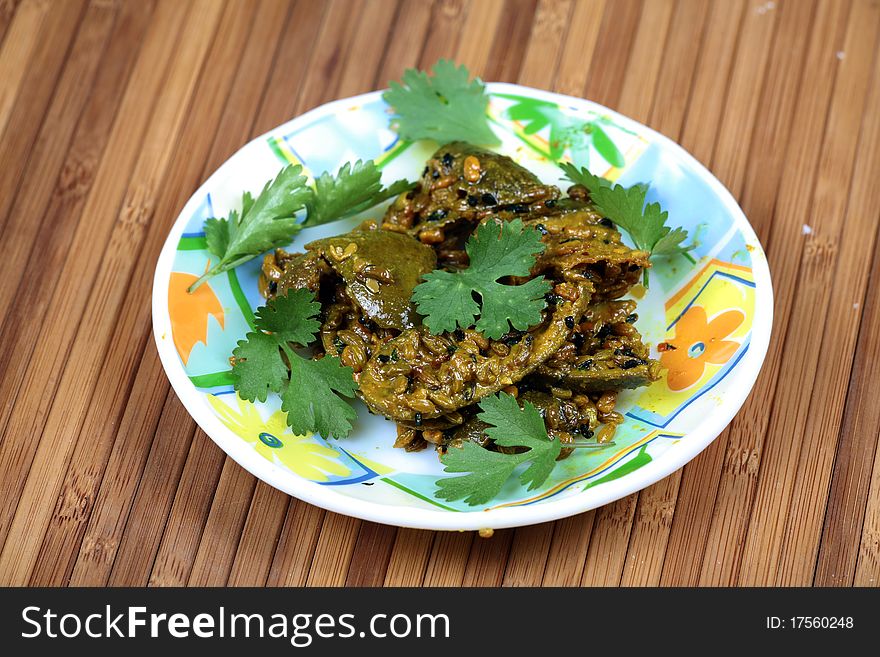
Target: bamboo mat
pixel 111 115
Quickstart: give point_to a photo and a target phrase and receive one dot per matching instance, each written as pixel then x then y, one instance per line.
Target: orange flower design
pixel 697 342
pixel 189 312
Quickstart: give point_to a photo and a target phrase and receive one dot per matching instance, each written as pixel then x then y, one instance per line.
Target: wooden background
pixel 111 115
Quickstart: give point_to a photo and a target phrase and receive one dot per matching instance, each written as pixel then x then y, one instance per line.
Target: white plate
pixel 717 309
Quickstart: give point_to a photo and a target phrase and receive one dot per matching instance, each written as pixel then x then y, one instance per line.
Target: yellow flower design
pixel 697 342
pixel 274 441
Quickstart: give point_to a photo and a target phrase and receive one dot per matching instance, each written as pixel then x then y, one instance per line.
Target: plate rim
pixel 419 518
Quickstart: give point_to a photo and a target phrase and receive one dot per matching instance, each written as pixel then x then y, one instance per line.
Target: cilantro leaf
pixel 444 107
pixel 310 400
pixel 264 223
pixel 446 299
pixel 583 177
pixel 354 189
pixel 670 243
pixel 270 221
pixel 625 206
pixel 259 368
pixel 265 362
pixel 512 426
pixel 290 318
pixel 487 473
pixel 217 233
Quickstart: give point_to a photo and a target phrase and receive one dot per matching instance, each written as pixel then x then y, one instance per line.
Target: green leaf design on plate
pixel 606 147
pixel 567 134
pixel 641 459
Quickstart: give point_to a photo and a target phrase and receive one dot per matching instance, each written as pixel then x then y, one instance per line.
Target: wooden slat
pixel 405 46
pixel 296 548
pixel 643 67
pixel 862 422
pixel 713 71
pixel 105 532
pixel 853 232
pixel 528 556
pixel 7 11
pixel 74 291
pixel 46 153
pixel 371 32
pixel 739 469
pixel 371 555
pixel 693 508
pixel 740 115
pixel 506 55
pixel 764 541
pixel 448 559
pixel 62 206
pixel 580 45
pixel 281 97
pixel 31 36
pixel 474 48
pixel 20 39
pixel 860 427
pixel 259 537
pixel 685 45
pixel 487 560
pixel 546 37
pixel 185 522
pixel 137 528
pixel 67 200
pixel 127 459
pixel 616 35
pixel 38 84
pixel 223 527
pixel 329 59
pixel 652 522
pixel 443 31
pixel 409 558
pixel 568 550
pixel 608 542
pixel 334 549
